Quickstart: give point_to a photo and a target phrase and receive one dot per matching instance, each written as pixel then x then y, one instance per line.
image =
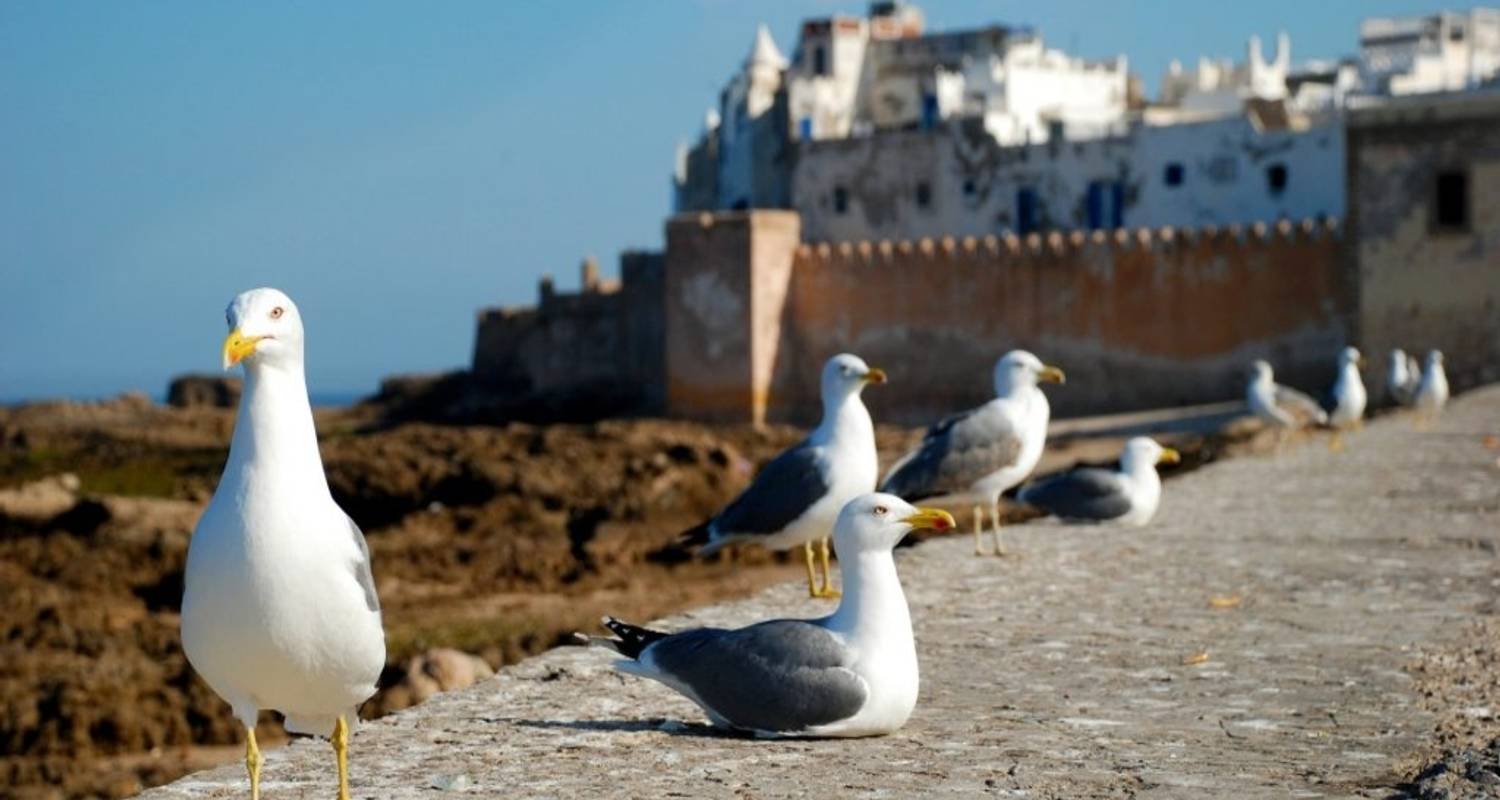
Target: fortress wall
pixel 1137 318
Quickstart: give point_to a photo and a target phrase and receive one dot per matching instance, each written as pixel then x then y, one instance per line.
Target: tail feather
pixel 630 639
pixel 695 536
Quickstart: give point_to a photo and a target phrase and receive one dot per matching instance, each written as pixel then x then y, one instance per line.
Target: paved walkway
pixel 1249 644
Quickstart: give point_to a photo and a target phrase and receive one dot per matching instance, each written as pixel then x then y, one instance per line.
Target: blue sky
pixel 396 166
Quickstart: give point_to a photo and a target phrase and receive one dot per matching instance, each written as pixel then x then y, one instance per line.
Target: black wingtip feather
pixel 632 638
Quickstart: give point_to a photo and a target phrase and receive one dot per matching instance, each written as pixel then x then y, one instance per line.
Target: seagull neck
pixel 845 418
pixel 274 425
pixel 873 602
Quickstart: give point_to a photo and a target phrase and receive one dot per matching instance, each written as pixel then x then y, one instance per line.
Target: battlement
pixel 1060 245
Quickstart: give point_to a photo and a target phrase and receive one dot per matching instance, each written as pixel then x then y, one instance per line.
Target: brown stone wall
pixel 725 278
pixel 1137 318
pixel 1422 286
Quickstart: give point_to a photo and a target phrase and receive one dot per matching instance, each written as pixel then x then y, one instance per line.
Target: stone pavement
pixel 1250 643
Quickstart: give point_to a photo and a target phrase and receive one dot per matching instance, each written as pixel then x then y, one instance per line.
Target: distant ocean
pixel 319 399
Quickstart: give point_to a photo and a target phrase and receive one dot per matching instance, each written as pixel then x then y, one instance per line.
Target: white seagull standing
pixel 1401 378
pixel 1127 496
pixel 976 455
pixel 1432 392
pixel 797 496
pixel 853 673
pixel 1347 398
pixel 1281 407
pixel 280 609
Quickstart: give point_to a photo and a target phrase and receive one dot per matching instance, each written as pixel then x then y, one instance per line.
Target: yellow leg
pixel 341 753
pixel 1336 442
pixel 995 531
pixel 252 763
pixel 812 573
pixel 978 527
pixel 827 589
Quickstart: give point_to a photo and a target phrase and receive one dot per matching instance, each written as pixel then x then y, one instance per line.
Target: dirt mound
pixel 495 541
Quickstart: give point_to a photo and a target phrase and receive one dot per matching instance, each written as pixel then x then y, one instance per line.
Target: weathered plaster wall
pixel 955 180
pixel 1421 286
pixel 1138 319
pixel 606 339
pixel 724 276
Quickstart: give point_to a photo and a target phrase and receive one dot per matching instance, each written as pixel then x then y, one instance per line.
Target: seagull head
pixel 264 328
pixel 1260 371
pixel 877 522
pixel 1019 369
pixel 1143 452
pixel 1434 358
pixel 1398 358
pixel 1350 355
pixel 846 374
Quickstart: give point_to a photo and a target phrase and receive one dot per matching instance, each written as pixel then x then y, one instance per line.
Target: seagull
pixel 1402 376
pixel 1432 392
pixel 975 455
pixel 1127 496
pixel 279 609
pixel 1280 407
pixel 853 673
pixel 1346 400
pixel 797 496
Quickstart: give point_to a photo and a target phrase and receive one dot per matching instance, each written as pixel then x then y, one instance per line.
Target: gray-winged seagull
pixel 976 455
pixel 797 496
pixel 853 673
pixel 1127 496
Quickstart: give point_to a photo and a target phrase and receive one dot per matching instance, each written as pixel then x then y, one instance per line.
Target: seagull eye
pixel 881 511
pixel 277 312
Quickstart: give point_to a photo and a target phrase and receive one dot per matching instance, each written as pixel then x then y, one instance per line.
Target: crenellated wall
pixel 1139 318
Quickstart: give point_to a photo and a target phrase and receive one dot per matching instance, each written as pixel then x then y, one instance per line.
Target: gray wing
pixel 362 567
pixel 1305 409
pixel 1085 493
pixel 781 676
pixel 782 492
pixel 955 453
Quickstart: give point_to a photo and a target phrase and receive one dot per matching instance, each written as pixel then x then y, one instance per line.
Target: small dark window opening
pixel 1276 178
pixel 1173 174
pixel 1451 202
pixel 840 200
pixel 924 195
pixel 969 187
pixel 740 205
pixel 820 61
pixel 1028 215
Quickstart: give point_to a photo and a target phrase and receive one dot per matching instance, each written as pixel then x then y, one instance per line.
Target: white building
pixel 1221 87
pixel 876 129
pixel 1445 52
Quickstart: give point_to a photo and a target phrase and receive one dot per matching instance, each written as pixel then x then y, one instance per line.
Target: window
pixel 1172 175
pixel 1450 206
pixel 1027 216
pixel 929 111
pixel 1276 178
pixel 840 200
pixel 924 194
pixel 820 61
pixel 805 128
pixel 969 187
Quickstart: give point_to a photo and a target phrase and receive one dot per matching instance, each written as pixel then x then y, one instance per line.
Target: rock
pixel 424 675
pixel 198 391
pixel 41 501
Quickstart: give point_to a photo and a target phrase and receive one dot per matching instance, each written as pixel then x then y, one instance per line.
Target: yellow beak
pixel 875 376
pixel 930 519
pixel 1051 374
pixel 1169 456
pixel 238 346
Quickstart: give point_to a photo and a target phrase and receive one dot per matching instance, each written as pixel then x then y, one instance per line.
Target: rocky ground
pixel 1316 624
pixel 490 543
